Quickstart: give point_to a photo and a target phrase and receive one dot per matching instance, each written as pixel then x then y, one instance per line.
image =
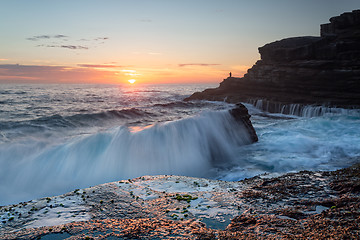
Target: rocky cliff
pixel 323 70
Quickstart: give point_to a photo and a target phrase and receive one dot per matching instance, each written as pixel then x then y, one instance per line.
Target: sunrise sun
pixel 131 81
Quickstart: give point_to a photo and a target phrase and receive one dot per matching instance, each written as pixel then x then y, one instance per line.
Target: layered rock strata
pixel 322 70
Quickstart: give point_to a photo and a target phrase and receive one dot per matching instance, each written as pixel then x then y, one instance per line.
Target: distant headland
pixel 310 70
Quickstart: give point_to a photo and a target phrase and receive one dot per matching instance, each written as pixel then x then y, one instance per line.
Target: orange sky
pixel 113 74
pixel 152 41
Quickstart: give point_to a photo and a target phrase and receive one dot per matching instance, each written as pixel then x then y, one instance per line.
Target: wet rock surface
pixel 303 205
pixel 241 114
pixel 321 70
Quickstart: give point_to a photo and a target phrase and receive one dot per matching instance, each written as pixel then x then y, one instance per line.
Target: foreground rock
pixel 321 70
pixel 242 116
pixel 304 205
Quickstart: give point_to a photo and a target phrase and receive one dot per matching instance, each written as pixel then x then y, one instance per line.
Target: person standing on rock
pixel 230 74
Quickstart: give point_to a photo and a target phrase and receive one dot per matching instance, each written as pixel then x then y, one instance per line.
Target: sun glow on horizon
pixel 131 81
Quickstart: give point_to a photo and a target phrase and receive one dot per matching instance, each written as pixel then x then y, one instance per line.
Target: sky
pixel 151 41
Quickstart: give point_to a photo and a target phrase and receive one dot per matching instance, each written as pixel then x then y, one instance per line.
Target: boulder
pixel 241 115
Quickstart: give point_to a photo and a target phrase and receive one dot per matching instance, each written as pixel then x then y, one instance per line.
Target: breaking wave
pixel 190 147
pixel 77 120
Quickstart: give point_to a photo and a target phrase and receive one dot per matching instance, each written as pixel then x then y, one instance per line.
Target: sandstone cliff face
pixel 321 70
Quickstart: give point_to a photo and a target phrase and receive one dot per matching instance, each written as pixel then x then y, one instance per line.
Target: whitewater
pixel 57 138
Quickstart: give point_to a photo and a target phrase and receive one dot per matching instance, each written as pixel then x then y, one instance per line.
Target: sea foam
pixel 190 147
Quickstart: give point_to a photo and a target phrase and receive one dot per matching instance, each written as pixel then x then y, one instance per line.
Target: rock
pixel 321 70
pixel 303 205
pixel 241 114
pixel 289 49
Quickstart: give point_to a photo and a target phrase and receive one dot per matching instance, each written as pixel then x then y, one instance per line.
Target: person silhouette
pixel 230 74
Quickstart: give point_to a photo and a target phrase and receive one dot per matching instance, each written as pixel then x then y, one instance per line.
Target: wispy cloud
pixel 42 37
pixel 60 36
pixel 198 64
pixel 94 39
pixel 40 74
pixel 130 72
pixel 72 47
pixel 101 38
pixel 98 66
pixel 58 40
pixel 20 67
pixel 24 73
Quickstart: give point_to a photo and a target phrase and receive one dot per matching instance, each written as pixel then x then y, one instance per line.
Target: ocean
pixel 57 138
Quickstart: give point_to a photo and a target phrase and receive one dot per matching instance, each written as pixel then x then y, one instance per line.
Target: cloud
pixel 60 36
pixel 37 38
pixel 72 47
pixel 101 38
pixel 27 67
pixel 130 72
pixel 26 73
pixel 198 64
pixel 42 37
pixel 98 66
pixel 97 39
pixel 10 73
pixel 57 41
pixel 16 78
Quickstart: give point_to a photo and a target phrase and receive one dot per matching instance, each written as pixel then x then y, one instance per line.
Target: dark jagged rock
pixel 241 114
pixel 321 70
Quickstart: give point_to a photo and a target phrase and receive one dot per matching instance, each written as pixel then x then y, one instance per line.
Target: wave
pixel 190 147
pixel 77 120
pixel 123 114
pixel 177 104
pixel 7 92
pixel 182 104
pixel 302 110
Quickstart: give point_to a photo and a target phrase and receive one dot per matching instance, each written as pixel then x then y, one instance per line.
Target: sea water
pixel 56 138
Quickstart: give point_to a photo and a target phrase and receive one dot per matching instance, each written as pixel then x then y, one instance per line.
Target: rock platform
pixel 303 205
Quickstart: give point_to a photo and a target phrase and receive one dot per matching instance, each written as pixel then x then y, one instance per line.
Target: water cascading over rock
pixel 192 147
